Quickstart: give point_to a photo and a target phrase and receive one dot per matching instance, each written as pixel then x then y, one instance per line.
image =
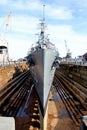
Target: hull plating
pixel 43 73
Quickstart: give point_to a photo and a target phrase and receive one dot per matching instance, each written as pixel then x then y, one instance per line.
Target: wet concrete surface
pixel 58 117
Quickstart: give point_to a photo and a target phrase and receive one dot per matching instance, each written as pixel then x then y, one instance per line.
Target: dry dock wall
pixel 75 72
pixel 9 72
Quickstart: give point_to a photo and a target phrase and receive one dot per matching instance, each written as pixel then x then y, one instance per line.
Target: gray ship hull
pixel 43 73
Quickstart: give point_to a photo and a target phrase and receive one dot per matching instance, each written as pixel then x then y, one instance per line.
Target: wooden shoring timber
pixel 80 87
pixel 84 103
pixel 75 89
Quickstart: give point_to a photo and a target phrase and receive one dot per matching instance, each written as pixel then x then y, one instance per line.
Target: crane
pixel 7 25
pixel 8 20
pixel 68 53
pixel 67 49
pixel 3 40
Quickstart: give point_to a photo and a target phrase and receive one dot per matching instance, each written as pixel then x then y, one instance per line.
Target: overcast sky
pixel 65 19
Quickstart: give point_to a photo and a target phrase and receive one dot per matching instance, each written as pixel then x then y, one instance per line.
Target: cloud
pixel 24 24
pixel 22 5
pixel 3 2
pixel 26 29
pixel 25 18
pixel 59 13
pixel 76 42
pixel 18 48
pixel 70 3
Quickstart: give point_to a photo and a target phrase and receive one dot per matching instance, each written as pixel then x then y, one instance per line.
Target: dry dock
pixel 66 104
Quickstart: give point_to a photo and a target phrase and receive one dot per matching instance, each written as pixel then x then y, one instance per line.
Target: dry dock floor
pixel 58 117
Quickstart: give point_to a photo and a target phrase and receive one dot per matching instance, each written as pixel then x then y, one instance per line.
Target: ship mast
pixel 43 20
pixel 43 12
pixel 42 27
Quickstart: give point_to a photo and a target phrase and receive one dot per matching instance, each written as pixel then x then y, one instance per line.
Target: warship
pixel 43 58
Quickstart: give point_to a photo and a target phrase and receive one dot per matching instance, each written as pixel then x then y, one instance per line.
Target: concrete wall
pixel 76 72
pixel 9 72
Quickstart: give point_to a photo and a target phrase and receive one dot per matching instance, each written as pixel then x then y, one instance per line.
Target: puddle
pixel 56 97
pixel 64 113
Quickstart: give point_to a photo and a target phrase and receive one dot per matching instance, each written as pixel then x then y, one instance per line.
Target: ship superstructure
pixel 43 59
